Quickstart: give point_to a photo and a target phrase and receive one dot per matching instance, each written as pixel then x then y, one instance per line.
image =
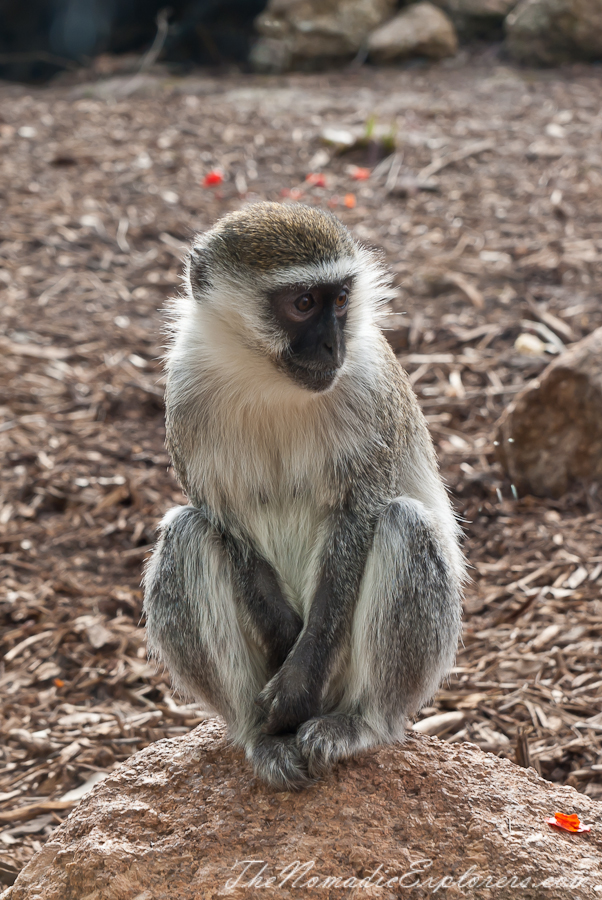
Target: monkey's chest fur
pixel 270 476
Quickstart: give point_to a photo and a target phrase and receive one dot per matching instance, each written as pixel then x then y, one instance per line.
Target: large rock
pixel 185 819
pixel 550 437
pixel 420 30
pixel 308 34
pixel 548 32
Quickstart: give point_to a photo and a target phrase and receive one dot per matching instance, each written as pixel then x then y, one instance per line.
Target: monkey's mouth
pixel 311 376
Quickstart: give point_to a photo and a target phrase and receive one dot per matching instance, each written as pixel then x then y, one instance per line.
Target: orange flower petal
pixel 350 201
pixel 568 823
pixel 571 821
pixel 360 174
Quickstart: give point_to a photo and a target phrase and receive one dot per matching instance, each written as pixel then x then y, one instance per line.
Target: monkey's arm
pixel 295 693
pixel 264 609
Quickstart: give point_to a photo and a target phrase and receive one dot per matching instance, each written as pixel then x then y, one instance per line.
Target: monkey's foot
pixel 324 740
pixel 278 762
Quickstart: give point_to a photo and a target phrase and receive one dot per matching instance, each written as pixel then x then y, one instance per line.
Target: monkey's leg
pixel 195 626
pixel 404 637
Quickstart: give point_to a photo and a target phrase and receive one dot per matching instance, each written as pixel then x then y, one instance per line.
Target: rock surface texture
pixel 186 819
pixel 549 32
pixel 312 33
pixel 420 30
pixel 551 435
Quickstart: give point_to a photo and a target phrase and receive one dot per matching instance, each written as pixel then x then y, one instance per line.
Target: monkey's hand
pixel 288 699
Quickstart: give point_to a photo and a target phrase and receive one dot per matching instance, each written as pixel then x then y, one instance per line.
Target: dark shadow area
pixel 43 37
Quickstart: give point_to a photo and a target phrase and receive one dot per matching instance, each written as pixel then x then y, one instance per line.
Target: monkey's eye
pixel 342 300
pixel 305 303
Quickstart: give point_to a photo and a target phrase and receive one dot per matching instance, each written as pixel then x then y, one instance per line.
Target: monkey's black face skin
pixel 313 318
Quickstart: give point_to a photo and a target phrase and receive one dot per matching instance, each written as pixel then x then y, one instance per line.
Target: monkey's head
pixel 288 282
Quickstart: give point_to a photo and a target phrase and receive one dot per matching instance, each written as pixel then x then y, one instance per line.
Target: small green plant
pixel 369 128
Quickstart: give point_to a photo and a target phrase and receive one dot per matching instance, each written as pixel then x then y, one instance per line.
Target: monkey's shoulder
pixel 397 399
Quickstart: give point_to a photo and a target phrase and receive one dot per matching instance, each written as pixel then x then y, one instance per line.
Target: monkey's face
pixel 284 286
pixel 313 320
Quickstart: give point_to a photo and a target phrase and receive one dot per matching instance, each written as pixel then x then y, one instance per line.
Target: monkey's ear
pixel 198 273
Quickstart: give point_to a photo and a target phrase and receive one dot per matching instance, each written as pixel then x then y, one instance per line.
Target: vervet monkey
pixel 311 590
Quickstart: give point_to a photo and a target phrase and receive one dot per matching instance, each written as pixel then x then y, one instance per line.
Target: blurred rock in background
pixel 551 32
pixel 483 19
pixel 550 437
pixel 44 37
pixel 313 33
pixel 420 30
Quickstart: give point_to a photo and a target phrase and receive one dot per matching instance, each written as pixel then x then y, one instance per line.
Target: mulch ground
pixel 489 215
